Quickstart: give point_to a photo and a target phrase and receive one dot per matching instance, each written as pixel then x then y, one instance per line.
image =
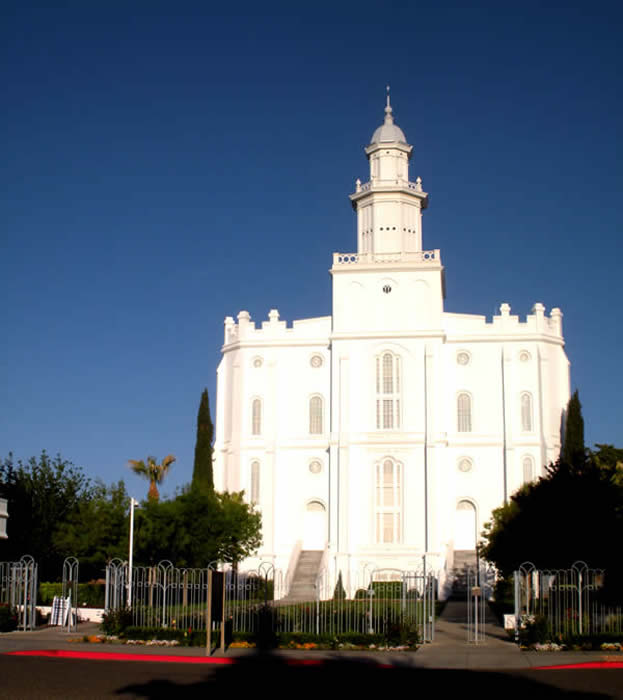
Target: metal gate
pixel 116 593
pixel 480 581
pixel 18 588
pixel 425 588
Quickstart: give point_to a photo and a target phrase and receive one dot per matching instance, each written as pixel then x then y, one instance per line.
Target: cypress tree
pixel 573 450
pixel 203 477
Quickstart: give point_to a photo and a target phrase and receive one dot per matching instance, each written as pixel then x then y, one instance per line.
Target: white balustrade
pixel 384 184
pixel 423 256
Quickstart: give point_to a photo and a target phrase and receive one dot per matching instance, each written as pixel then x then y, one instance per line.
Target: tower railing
pixel 432 257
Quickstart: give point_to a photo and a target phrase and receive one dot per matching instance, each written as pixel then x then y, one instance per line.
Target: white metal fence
pixel 18 589
pixel 567 599
pixel 384 601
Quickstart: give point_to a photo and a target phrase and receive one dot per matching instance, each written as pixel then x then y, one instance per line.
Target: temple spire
pixel 389 118
pixel 389 206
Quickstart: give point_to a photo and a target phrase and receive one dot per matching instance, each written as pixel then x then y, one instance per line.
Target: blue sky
pixel 166 165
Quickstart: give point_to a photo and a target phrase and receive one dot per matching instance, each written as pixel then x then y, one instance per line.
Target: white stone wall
pixel 285 380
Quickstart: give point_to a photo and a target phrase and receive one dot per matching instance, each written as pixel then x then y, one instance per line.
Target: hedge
pixel 90 595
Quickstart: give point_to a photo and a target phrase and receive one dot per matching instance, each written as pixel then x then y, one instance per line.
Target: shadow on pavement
pixel 263 672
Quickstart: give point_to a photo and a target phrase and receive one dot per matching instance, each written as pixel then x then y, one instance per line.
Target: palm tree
pixel 153 471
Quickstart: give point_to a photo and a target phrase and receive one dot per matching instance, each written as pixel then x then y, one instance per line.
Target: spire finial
pixel 389 119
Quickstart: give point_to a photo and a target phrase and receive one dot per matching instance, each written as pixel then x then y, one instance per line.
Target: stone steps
pixel 464 559
pixel 303 586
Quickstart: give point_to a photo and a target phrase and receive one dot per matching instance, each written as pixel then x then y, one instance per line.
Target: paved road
pixel 256 676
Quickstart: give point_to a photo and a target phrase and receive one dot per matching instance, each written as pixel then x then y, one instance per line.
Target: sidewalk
pixel 449 650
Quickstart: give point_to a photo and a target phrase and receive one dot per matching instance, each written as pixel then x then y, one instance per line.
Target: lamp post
pixel 133 504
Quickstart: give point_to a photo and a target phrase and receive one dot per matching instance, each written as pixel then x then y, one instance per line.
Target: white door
pixel 315 526
pixel 465 526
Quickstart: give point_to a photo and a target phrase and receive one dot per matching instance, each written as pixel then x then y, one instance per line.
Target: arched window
pixel 315 415
pixel 388 499
pixel 464 413
pixel 315 526
pixel 255 481
pixel 256 417
pixel 387 392
pixel 528 469
pixel 465 526
pixel 526 412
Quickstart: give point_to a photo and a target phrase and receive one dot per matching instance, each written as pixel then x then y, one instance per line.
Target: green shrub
pixel 47 592
pixel 190 637
pixel 8 618
pixel 115 622
pixel 339 593
pixel 400 634
pixel 503 601
pixel 387 590
pixel 90 595
pixel 590 642
pixel 535 631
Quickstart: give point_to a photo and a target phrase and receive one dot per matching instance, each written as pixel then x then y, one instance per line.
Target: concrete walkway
pixel 497 651
pixel 450 649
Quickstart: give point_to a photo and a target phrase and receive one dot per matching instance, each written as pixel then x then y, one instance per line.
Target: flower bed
pixel 150 636
pixel 584 643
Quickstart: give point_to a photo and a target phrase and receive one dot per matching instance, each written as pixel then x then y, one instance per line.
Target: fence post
pixel 209 615
pixel 70 589
pixel 106 587
pixel 516 575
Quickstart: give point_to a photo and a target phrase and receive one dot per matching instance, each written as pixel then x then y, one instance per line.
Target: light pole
pixel 133 504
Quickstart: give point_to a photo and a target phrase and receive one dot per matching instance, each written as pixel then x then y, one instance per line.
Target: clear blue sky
pixel 166 165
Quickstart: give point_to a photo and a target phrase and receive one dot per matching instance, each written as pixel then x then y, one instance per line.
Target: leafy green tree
pixel 97 530
pixel 240 528
pixel 610 460
pixel 196 528
pixel 154 472
pixel 203 478
pixel 573 449
pixel 43 494
pixel 573 513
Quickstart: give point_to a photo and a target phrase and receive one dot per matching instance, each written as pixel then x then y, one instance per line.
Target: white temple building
pixel 389 430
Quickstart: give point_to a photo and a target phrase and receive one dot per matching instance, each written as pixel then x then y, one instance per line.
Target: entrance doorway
pixel 465 528
pixel 315 526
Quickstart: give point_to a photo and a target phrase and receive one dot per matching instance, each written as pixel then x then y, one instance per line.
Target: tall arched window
pixel 464 413
pixel 387 392
pixel 255 481
pixel 526 411
pixel 528 469
pixel 256 417
pixel 388 500
pixel 315 415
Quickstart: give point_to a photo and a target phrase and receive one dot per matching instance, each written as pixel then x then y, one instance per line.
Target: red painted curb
pixel 167 658
pixel 585 664
pixel 118 656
